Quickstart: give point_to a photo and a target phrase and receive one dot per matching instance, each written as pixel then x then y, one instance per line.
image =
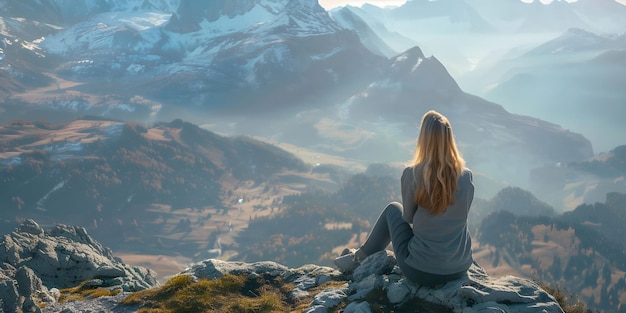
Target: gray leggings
pixel 390 227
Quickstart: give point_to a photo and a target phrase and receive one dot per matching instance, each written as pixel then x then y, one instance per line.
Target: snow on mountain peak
pixel 224 16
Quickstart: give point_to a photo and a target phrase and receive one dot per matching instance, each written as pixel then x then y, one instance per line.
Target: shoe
pixel 348 260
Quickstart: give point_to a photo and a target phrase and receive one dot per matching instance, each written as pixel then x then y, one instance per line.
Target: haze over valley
pixel 175 131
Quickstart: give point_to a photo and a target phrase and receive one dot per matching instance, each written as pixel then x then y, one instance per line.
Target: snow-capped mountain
pixel 21 57
pixel 375 18
pixel 347 19
pixel 222 53
pixel 287 60
pixel 67 12
pixel 408 74
pixel 492 137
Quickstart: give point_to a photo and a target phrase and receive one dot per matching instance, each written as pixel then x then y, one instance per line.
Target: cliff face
pixel 28 283
pixel 35 264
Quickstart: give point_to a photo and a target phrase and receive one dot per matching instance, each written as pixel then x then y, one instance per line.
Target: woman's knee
pixel 394 206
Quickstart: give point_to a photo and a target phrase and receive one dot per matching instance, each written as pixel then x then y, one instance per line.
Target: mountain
pixel 376 19
pixel 22 61
pixel 492 138
pixel 602 16
pixel 441 16
pixel 559 79
pixel 579 249
pixel 574 40
pixel 511 199
pixel 130 182
pixel 569 185
pixel 347 19
pixel 223 56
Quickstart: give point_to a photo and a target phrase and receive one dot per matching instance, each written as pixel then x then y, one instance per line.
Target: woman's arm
pixel 408 186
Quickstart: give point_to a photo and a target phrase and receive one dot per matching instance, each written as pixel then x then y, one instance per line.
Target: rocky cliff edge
pixel 35 263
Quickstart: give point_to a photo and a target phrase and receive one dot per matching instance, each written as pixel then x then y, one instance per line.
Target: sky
pixel 329 4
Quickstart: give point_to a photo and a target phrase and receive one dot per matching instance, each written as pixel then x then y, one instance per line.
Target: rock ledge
pixel 35 264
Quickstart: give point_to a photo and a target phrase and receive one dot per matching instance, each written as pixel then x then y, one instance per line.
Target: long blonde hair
pixel 437 163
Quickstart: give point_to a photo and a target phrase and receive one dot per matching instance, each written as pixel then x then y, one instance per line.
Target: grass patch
pixel 83 291
pixel 229 293
pixel 569 303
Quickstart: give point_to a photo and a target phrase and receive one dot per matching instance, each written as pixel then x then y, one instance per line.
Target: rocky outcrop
pixel 379 274
pixel 32 270
pixel 35 264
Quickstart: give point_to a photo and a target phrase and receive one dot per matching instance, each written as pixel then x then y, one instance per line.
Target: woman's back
pixel 441 243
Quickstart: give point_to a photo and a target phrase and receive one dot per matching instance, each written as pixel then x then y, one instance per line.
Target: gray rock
pixel 8 293
pixel 397 292
pixel 305 282
pixel 467 295
pixel 108 271
pixel 27 281
pixel 358 307
pixel 330 298
pixel 94 283
pixel 212 268
pixel 360 289
pixel 31 227
pixel 379 263
pixel 34 261
pixel 298 294
pixel 317 309
pixel 323 274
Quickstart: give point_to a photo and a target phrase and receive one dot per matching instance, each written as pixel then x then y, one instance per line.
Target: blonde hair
pixel 437 164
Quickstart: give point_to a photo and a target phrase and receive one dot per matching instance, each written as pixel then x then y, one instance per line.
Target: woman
pixel 437 192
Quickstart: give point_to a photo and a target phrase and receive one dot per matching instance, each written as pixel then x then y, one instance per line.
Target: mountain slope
pixel 235 55
pixel 130 182
pixel 560 79
pixel 602 16
pixel 443 16
pixel 578 250
pixel 492 139
pixel 347 19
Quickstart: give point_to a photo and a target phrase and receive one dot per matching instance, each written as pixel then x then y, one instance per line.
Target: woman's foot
pixel 349 260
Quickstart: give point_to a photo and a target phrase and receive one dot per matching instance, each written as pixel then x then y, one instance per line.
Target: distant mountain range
pixel 577 250
pixel 577 74
pixel 285 70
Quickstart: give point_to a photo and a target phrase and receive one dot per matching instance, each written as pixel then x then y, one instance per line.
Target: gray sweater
pixel 441 243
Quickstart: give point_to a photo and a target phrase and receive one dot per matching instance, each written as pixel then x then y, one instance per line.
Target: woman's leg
pixel 389 227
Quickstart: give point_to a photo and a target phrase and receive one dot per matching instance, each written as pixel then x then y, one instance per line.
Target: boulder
pixel 34 261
